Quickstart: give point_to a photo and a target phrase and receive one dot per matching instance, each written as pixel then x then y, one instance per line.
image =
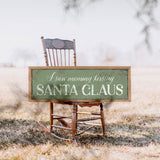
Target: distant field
pixel 133 128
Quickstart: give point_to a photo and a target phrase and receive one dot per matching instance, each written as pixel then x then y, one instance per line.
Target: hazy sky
pixel 102 25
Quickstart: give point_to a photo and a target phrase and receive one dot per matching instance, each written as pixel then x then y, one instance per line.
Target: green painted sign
pixel 79 84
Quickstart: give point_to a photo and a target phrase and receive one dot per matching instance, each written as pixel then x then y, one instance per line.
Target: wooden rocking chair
pixel 58 52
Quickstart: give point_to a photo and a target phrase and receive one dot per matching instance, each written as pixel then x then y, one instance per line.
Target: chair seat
pixel 81 104
pixel 88 104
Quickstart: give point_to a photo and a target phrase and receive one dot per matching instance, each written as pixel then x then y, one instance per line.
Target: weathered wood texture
pixel 58 44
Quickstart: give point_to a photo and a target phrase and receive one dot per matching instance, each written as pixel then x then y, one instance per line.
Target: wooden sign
pixel 79 84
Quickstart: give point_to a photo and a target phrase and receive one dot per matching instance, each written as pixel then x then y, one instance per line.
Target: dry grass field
pixel 133 128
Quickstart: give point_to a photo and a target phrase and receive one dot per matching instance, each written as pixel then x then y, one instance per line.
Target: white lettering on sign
pixel 103 78
pixel 86 90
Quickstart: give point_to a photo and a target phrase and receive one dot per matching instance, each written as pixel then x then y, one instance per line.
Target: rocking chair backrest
pixel 59 52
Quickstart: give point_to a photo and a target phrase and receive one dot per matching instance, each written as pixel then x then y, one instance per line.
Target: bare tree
pixel 144 11
pixel 145 14
pixel 76 4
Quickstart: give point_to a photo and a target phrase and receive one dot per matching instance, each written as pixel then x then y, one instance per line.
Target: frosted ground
pixel 133 128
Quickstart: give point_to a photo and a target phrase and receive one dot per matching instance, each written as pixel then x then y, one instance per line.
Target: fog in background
pixel 106 32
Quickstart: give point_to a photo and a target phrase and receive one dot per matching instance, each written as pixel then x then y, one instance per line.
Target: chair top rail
pixel 58 44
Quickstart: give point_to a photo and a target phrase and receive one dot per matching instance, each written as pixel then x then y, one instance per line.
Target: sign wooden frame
pixel 128 68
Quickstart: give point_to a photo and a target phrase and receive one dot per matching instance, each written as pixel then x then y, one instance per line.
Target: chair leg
pixel 74 121
pixel 51 116
pixel 76 116
pixel 102 119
